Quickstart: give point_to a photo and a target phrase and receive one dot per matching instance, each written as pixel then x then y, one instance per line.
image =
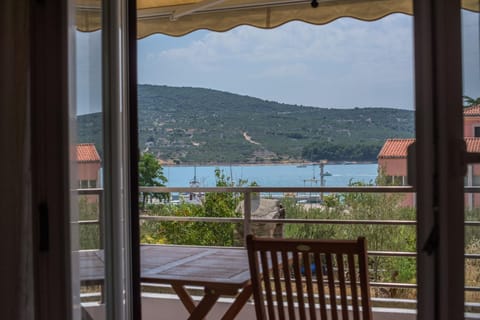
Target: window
pixel 92 183
pixel 84 184
pixel 477 131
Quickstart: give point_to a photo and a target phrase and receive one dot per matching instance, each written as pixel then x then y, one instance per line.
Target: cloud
pixel 344 63
pixel 287 70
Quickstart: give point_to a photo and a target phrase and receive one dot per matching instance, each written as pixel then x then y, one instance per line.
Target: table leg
pixel 208 301
pixel 184 297
pixel 239 302
pixel 211 296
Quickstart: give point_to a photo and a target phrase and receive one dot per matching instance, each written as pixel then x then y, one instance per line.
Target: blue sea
pixel 290 175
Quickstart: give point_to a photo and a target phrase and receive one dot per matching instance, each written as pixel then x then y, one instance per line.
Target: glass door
pixel 100 178
pixel 471 131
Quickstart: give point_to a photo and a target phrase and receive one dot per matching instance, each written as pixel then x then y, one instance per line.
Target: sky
pixel 344 64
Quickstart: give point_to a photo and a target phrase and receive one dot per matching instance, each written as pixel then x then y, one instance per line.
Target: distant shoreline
pixel 237 164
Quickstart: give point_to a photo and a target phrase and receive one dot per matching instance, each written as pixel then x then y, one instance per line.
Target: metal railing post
pixel 247 214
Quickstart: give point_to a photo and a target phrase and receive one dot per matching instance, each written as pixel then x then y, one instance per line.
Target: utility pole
pixel 322 176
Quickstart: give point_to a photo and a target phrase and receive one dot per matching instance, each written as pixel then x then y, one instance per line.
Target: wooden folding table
pixel 219 271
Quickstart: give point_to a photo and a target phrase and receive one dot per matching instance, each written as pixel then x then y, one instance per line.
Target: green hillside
pixel 194 125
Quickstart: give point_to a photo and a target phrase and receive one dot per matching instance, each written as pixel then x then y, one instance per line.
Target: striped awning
pixel 179 17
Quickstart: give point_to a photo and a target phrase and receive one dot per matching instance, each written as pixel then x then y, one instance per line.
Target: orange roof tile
pixel 473 144
pixel 86 152
pixel 395 148
pixel 472 111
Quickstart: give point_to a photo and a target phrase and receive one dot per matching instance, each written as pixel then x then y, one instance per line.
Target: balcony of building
pixel 310 212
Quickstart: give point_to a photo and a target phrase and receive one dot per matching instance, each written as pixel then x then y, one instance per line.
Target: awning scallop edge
pixel 179 17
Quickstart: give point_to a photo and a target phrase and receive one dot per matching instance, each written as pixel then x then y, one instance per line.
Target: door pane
pixel 88 234
pixel 471 95
pixel 100 220
pixel 296 106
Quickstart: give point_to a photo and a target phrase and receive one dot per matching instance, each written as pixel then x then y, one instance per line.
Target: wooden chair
pixel 319 278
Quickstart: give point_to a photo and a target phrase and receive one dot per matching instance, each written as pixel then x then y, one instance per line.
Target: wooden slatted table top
pixel 213 267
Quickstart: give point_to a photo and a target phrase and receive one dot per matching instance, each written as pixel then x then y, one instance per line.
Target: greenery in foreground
pixel 362 206
pixel 343 206
pixel 346 206
pixel 195 233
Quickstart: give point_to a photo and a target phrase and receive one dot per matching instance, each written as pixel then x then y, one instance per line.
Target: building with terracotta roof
pixel 471 121
pixel 392 158
pixel 88 166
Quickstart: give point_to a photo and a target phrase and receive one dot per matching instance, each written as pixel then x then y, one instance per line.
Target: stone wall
pixel 263 209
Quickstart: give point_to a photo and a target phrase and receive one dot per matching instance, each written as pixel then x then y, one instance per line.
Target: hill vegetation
pixel 195 125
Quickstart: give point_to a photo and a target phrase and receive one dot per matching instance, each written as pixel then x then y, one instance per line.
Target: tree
pixel 340 151
pixel 470 102
pixel 363 206
pixel 150 174
pixel 215 204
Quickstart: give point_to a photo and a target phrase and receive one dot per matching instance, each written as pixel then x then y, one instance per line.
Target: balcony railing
pixel 247 193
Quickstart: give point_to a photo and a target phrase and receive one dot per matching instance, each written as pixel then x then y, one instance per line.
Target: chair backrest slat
pixel 278 285
pixel 307 267
pixel 363 275
pixel 256 279
pixel 267 284
pixel 292 274
pixel 353 286
pixel 288 286
pixel 320 286
pixel 331 287
pixel 299 285
pixel 342 285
